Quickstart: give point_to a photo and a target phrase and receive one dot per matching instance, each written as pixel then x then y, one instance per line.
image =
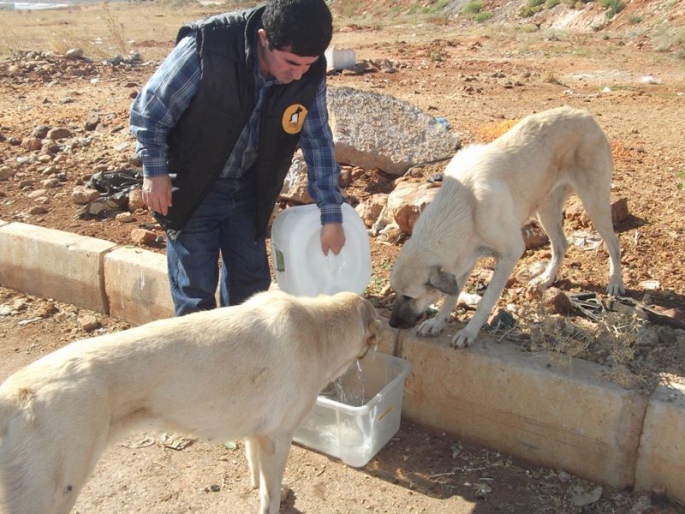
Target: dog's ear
pixel 374 333
pixel 374 326
pixel 443 281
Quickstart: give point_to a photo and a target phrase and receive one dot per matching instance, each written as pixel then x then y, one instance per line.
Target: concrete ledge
pixel 137 286
pixel 522 404
pixel 54 264
pixel 661 459
pixel 493 393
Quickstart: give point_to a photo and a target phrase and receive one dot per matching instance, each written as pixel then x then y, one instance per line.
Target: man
pixel 217 126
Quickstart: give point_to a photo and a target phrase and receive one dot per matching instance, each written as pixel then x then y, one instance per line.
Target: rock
pixel 82 195
pixel 88 322
pixel 125 217
pixel 92 122
pixel 38 209
pixel 370 209
pixel 295 187
pixel 6 173
pixel 40 132
pixel 140 236
pixel 50 183
pixel 371 130
pixel 402 209
pixel 345 178
pixel 581 497
pixel 406 214
pixel 556 302
pixel 32 144
pixel 619 210
pixel 37 193
pixel 533 236
pixel 135 199
pixel 59 133
pixel 74 53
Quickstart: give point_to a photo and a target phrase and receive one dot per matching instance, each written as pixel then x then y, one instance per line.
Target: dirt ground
pixel 480 78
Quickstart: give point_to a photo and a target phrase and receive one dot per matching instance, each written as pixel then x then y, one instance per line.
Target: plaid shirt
pixel 168 94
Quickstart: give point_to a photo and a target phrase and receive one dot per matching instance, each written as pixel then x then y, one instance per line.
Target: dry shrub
pixel 612 339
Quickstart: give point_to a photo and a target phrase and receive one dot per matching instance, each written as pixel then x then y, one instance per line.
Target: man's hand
pixel 332 238
pixel 157 193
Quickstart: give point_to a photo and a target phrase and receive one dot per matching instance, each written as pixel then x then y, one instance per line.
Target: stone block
pixel 661 459
pixel 523 404
pixel 54 264
pixel 137 286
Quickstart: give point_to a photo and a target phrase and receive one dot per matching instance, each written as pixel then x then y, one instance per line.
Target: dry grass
pixel 101 31
pixel 613 339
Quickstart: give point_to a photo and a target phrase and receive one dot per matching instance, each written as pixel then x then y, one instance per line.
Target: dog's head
pixel 416 286
pixel 371 325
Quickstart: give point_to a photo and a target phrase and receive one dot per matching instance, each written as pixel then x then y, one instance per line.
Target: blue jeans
pixel 222 226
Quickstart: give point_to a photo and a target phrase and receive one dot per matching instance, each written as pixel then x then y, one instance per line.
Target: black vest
pixel 203 138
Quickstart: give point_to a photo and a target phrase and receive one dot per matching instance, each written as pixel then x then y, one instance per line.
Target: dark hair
pixel 304 27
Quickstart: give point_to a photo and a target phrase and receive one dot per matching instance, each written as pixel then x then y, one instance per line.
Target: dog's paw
pixel 463 338
pixel 538 285
pixel 430 328
pixel 616 288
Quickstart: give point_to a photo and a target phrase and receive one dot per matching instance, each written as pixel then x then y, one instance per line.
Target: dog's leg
pixel 551 217
pixel 434 326
pixel 505 265
pixel 251 452
pixel 598 208
pixel 271 454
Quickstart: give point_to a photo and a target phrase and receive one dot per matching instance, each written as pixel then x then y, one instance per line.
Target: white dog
pixel 251 371
pixel 489 192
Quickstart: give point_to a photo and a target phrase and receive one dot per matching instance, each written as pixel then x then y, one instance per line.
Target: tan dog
pixel 252 371
pixel 488 193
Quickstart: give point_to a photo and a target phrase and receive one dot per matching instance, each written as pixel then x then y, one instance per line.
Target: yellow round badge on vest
pixel 293 118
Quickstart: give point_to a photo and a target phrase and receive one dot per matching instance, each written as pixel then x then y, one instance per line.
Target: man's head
pixel 302 27
pixel 295 34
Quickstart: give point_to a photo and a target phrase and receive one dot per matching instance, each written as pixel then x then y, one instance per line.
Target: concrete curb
pixel 136 285
pixel 525 405
pixel 54 264
pixel 493 393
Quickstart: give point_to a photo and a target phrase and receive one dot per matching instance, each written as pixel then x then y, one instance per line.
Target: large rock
pixel 378 131
pixel 403 207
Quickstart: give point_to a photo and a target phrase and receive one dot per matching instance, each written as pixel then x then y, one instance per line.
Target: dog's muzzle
pixel 404 314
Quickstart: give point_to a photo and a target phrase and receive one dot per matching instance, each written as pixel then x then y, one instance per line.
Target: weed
pixel 472 8
pixel 667 38
pixel 483 16
pixel 613 7
pixel 614 338
pixel 115 28
pixel 551 78
pixel 680 183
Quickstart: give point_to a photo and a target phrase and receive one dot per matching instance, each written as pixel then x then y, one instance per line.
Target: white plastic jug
pixel 301 267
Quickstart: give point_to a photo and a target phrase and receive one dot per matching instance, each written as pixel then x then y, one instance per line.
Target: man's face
pixel 284 66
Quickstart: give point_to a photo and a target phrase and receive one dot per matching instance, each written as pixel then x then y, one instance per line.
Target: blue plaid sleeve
pixel 318 149
pixel 160 104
